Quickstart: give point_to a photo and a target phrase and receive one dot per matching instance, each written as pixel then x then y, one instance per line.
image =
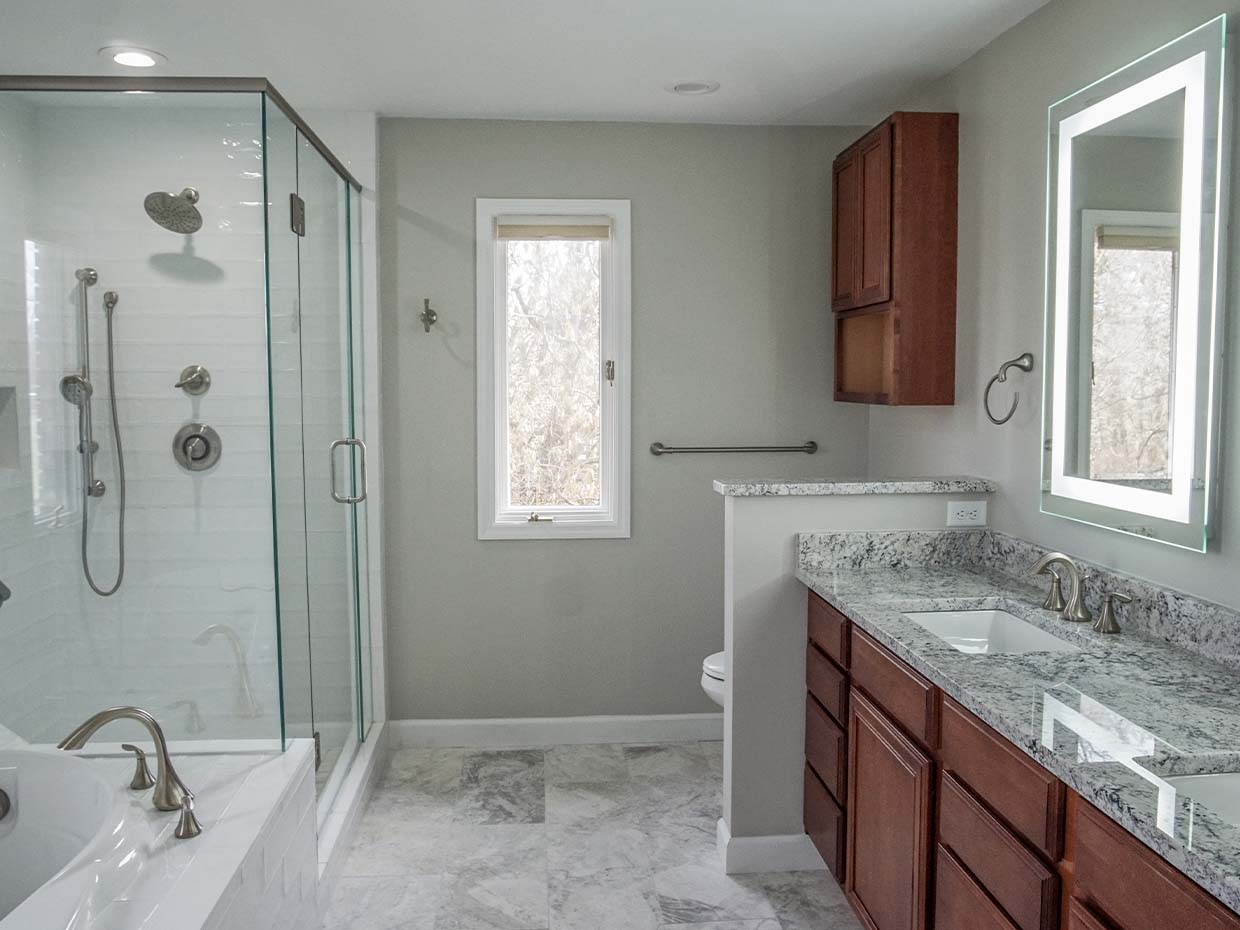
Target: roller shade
pixel 1139 239
pixel 553 227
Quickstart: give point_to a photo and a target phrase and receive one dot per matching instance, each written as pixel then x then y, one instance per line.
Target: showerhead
pixel 174 212
pixel 76 390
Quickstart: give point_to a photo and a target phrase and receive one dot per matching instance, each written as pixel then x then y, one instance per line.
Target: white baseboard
pixel 554 731
pixel 792 852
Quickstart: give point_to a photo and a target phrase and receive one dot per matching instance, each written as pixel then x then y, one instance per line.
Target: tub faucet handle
pixel 142 777
pixel 188 826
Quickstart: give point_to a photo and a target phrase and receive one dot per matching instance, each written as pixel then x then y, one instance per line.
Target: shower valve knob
pixel 195 380
pixel 196 447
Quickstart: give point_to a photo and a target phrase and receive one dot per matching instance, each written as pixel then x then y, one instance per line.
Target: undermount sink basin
pixel 988 632
pixel 1220 793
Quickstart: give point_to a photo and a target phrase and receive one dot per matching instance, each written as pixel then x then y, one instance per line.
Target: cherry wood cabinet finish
pixel 959 904
pixel 825 749
pixel 908 699
pixel 874 262
pixel 1026 796
pixel 1118 877
pixel 896 203
pixel 1026 889
pixel 890 783
pixel 829 629
pixel 845 230
pixel 824 822
pixel 1081 918
pixel 827 682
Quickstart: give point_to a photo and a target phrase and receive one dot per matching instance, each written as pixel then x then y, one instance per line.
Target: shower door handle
pixel 331 456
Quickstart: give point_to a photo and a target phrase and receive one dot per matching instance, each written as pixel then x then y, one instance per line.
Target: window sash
pixel 497 518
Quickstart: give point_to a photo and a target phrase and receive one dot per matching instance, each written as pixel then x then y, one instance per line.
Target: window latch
pixel 609 371
pixel 535 518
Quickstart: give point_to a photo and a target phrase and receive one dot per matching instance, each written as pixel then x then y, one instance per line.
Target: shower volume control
pixel 197 447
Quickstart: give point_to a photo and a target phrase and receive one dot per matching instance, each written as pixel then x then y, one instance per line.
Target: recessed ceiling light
pixel 693 88
pixel 132 57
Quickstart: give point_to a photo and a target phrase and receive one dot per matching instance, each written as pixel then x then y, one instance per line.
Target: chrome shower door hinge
pixel 609 371
pixel 297 214
pixel 318 751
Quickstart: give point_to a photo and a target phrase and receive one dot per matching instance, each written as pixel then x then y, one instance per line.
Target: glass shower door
pixel 333 462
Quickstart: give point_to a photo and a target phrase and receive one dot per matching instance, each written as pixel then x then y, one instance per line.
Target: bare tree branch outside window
pixel 553 313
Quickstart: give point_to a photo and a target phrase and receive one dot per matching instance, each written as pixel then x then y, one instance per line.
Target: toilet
pixel 714 668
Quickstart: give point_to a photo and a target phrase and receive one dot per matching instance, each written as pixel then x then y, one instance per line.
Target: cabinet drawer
pixel 825 747
pixel 829 629
pixel 1082 918
pixel 827 682
pixel 824 822
pixel 1024 887
pixel 908 699
pixel 959 904
pixel 1019 790
pixel 1116 875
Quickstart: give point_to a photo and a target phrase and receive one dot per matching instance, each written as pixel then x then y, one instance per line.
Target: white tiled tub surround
pixel 254 861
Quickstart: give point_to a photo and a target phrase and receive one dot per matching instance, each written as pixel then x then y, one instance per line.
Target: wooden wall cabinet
pixel 893 262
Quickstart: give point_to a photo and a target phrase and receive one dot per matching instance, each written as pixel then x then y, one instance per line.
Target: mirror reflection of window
pixel 1131 354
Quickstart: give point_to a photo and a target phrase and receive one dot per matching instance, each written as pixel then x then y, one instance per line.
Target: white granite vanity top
pixel 1108 720
pixel 951 484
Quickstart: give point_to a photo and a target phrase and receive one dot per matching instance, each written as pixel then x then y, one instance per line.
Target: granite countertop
pixel 951 484
pixel 1109 720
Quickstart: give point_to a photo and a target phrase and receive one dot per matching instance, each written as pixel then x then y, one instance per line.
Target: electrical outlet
pixel 966 513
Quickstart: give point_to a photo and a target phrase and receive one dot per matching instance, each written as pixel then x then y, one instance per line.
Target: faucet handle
pixel 1054 598
pixel 1107 623
pixel 142 777
pixel 188 826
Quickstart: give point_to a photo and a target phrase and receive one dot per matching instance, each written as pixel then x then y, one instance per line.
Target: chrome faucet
pixel 1075 610
pixel 170 792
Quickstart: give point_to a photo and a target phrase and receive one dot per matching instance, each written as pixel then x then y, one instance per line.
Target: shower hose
pixel 120 470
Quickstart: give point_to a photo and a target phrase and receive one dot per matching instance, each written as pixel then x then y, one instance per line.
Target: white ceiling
pixel 779 61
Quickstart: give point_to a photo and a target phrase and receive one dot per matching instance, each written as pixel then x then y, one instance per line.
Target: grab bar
pixel 657 448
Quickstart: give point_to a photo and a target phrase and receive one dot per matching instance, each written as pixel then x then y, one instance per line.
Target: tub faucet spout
pixel 170 791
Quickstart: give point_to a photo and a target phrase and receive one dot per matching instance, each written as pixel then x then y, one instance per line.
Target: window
pixel 553 369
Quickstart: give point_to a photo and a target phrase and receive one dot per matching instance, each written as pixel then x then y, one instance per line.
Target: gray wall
pixel 731 344
pixel 1002 95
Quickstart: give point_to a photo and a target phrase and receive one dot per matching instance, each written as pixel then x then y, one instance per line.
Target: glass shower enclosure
pixel 182 448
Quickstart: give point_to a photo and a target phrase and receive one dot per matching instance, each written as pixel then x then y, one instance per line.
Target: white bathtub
pixel 62 813
pixel 80 851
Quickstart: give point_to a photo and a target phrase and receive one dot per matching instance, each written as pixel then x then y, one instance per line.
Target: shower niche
pixel 241 610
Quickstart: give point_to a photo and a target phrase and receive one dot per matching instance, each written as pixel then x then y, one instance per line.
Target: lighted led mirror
pixel 1136 228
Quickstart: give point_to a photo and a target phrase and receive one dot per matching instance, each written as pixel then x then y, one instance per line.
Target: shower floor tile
pixel 568 838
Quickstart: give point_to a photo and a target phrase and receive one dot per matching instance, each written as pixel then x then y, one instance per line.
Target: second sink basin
pixel 988 632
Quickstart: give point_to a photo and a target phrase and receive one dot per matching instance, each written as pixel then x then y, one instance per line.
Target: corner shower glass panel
pixel 181 472
pixel 135 506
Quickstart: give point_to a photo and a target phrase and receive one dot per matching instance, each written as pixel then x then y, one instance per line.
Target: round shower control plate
pixel 197 447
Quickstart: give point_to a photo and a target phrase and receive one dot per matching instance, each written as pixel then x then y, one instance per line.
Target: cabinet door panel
pixel 874 262
pixel 889 789
pixel 906 697
pixel 845 231
pixel 959 904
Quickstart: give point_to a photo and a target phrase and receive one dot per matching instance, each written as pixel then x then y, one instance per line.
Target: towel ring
pixel 1024 363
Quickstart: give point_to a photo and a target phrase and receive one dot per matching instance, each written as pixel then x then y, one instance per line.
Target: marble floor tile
pixel 393 848
pixel 487 900
pixel 429 772
pixel 701 892
pixel 384 903
pixel 482 766
pixel 583 853
pixel 567 765
pixel 668 762
pixel 671 844
pixel 506 786
pixel 807 900
pixel 620 899
pixel 763 924
pixel 601 804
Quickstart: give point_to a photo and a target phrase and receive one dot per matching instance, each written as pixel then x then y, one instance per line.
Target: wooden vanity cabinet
pixel 890 780
pixel 893 262
pixel 826 740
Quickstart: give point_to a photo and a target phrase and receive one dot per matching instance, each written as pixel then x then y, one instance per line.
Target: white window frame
pixel 496 519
